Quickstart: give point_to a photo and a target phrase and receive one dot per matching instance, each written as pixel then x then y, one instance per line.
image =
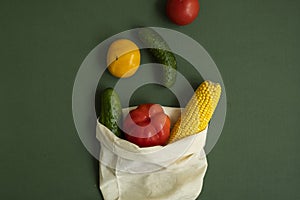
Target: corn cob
pixel 198 111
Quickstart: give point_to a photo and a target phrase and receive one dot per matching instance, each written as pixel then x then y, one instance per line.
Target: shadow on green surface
pixel 96 170
pixel 161 9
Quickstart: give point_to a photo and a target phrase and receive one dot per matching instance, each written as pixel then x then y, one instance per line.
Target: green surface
pixel 254 43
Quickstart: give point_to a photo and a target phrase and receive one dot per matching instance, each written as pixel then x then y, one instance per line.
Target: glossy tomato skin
pixel 147 125
pixel 182 12
pixel 123 58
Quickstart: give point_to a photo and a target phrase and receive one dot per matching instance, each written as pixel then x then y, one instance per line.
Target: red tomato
pixel 182 12
pixel 147 125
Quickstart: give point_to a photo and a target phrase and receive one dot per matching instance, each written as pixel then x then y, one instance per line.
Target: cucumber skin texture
pixel 111 111
pixel 151 38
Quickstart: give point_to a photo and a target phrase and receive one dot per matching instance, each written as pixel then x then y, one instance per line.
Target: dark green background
pixel 255 44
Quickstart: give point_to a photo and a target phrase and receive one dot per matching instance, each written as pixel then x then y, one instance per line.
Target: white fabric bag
pixel 171 172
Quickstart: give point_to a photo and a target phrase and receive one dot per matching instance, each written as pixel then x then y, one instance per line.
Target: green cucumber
pixel 162 53
pixel 111 111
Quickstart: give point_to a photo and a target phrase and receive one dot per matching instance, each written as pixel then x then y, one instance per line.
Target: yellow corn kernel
pixel 197 112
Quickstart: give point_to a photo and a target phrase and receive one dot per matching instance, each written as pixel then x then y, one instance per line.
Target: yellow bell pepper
pixel 123 58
